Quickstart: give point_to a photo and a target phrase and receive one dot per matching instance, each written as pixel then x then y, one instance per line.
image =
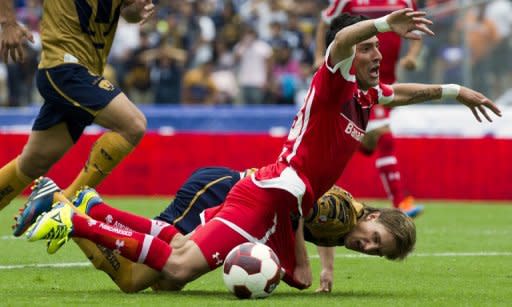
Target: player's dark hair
pixel 340 22
pixel 400 226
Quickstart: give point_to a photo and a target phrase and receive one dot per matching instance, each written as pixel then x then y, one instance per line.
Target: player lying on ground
pixel 325 134
pixel 336 218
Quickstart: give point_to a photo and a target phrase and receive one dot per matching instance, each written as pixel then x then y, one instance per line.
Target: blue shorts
pixel 71 95
pixel 205 188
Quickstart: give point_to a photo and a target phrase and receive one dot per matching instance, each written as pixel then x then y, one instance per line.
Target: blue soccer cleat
pixel 85 199
pixel 40 200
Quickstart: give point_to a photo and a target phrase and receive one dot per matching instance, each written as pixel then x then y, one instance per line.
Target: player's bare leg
pixel 185 264
pixel 43 149
pixel 127 125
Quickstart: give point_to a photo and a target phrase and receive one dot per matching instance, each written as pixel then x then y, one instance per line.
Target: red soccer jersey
pixel 329 127
pixel 390 42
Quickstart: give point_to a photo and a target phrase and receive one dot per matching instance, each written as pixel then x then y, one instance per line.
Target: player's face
pixel 367 63
pixel 370 237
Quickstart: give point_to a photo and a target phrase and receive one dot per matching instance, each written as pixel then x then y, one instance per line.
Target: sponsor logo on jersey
pixel 354 132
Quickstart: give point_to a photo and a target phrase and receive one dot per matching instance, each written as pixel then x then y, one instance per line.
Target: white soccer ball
pixel 252 270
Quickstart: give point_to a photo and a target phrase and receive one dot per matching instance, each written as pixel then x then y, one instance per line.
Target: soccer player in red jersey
pixel 325 134
pixel 378 135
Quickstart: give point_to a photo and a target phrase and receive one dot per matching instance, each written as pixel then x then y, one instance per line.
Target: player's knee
pixel 37 163
pixel 179 270
pixel 136 129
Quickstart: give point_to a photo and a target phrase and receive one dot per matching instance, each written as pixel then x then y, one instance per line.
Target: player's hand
pixel 408 62
pixel 147 11
pixel 477 103
pixel 302 274
pixel 12 38
pixel 407 23
pixel 325 281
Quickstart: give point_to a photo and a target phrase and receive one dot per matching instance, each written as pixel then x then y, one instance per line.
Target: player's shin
pixel 122 219
pixel 135 246
pixel 12 182
pixel 105 154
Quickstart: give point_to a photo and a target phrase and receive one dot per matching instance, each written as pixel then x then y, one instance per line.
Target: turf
pixel 463 258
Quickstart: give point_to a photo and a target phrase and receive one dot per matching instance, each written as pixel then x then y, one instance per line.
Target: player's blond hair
pixel 400 226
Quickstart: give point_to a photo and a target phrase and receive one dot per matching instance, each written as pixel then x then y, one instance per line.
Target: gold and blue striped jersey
pixel 78 31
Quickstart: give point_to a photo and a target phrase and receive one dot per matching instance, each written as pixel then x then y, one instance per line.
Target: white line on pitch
pixel 446 254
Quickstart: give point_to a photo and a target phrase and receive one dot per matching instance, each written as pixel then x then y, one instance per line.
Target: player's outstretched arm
pixel 405 22
pixel 410 93
pixel 12 34
pixel 327 261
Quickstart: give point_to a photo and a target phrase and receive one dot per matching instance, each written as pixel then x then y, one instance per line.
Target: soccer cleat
pixel 85 199
pixel 44 194
pixel 53 225
pixel 408 207
pixel 52 246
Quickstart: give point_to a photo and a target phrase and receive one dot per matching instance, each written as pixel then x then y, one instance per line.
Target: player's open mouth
pixel 374 71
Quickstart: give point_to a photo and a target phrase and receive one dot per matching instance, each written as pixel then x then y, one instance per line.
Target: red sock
pixel 136 246
pixel 126 220
pixel 387 165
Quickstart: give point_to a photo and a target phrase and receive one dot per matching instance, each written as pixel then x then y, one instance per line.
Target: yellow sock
pixel 12 182
pixel 105 154
pixel 117 267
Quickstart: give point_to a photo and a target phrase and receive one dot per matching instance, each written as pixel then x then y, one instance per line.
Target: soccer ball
pixel 252 270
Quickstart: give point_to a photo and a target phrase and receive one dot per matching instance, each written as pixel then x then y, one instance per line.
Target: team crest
pixel 106 85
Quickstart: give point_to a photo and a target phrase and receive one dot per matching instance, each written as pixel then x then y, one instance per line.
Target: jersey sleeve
pixel 333 10
pixel 335 81
pixel 385 93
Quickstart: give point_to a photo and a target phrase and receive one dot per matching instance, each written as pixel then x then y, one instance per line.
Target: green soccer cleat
pixel 52 246
pixel 85 199
pixel 53 225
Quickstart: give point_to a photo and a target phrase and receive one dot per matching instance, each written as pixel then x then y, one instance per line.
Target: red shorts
pixel 379 117
pixel 249 213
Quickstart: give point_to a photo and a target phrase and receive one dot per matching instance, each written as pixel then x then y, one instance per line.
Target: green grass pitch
pixel 463 258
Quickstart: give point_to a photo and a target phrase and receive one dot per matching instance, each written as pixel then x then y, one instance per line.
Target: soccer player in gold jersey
pixel 76 40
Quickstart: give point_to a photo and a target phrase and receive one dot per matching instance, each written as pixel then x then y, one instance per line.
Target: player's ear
pixel 373 216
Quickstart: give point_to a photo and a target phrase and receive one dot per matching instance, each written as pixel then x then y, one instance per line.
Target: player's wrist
pixel 381 24
pixel 450 91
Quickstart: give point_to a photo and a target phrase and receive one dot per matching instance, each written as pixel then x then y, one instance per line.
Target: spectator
pixel 167 64
pixel 285 74
pixel 198 85
pixel 255 59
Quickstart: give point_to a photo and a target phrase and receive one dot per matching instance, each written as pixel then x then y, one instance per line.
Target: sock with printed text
pixel 105 154
pixel 122 219
pixel 136 246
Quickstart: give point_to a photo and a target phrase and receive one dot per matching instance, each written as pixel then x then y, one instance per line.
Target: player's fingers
pixel 20 53
pixel 423 28
pixel 491 106
pixel 12 52
pixel 422 20
pixel 322 290
pixel 416 13
pixel 28 34
pixel 483 111
pixel 475 114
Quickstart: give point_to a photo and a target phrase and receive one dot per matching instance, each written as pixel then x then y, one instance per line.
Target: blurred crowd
pixel 262 51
